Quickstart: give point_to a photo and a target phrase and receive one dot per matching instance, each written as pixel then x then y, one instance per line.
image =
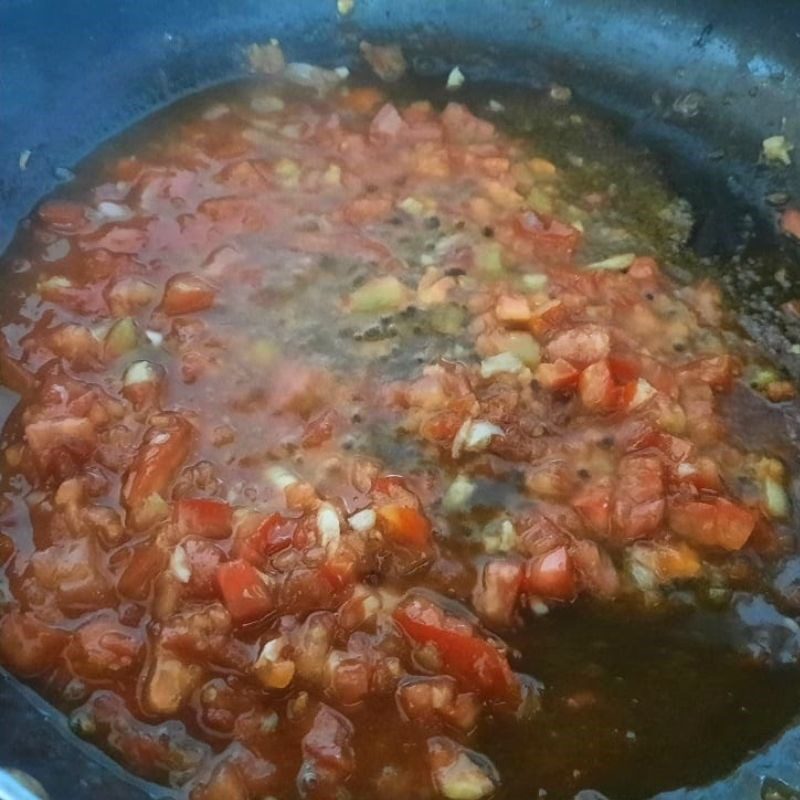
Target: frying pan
pixel 699 82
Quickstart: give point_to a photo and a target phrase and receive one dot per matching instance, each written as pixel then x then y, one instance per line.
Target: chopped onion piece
pixel 363 520
pixel 328 526
pixel 267 104
pixel 535 282
pixel 281 478
pixel 412 206
pixel 139 372
pixel 685 470
pixel 614 263
pixel 155 338
pixel 499 538
pixel 644 391
pixel 271 651
pixel 775 499
pixel 460 438
pixel 179 565
pixel 333 175
pixel 458 494
pixel 455 80
pixel 777 148
pixel 496 107
pixel 502 362
pixel 113 211
pixel 314 77
pixel 54 284
pixel 480 434
pixel 474 435
pixel 380 294
pixel 216 111
pixel 463 779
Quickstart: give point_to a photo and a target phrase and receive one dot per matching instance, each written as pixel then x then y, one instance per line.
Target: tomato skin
pixel 185 293
pixel 203 517
pixel 557 377
pixel 473 661
pixel 405 525
pixel 550 576
pixel 716 522
pixel 244 591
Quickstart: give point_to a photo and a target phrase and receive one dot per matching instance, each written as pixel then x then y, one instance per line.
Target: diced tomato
pixel 702 473
pixel 547 237
pixel 386 124
pixel 12 373
pixel 639 502
pixel 363 100
pixel 73 570
pixel 582 346
pixel 717 372
pixel 550 576
pixel 245 591
pixel 512 308
pixel 596 388
pixel 203 517
pixel 716 522
pixel 368 208
pixel 320 428
pixel 341 568
pixel 274 534
pixel 329 742
pixel 63 215
pixel 405 525
pixel 595 568
pixel 461 125
pixel 431 700
pixel 790 222
pixel 59 446
pixel 474 662
pixel 186 293
pixel 160 456
pixel 103 648
pixel 7 548
pixel 496 591
pixel 674 448
pixel 204 559
pixel 593 503
pixel 624 369
pixel 558 376
pixel 547 317
pixel 27 645
pixel 392 490
pixel 146 563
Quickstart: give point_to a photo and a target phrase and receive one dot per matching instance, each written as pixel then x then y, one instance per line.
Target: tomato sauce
pixel 325 400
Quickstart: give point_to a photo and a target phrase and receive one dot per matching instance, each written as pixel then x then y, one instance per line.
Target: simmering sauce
pixel 361 446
